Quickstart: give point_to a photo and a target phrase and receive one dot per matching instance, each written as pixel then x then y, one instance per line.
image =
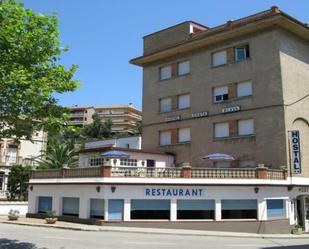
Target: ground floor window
pixel 70 206
pixel 275 208
pixel 195 209
pixel 150 209
pixel 239 209
pixel 45 204
pixel 97 208
pixel 1 180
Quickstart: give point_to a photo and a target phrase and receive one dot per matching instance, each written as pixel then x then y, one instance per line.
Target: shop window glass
pixel 239 209
pixel 45 204
pixel 150 209
pixel 70 206
pixel 275 208
pixel 195 209
pixel 97 208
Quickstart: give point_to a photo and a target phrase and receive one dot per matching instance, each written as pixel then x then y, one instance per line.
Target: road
pixel 26 237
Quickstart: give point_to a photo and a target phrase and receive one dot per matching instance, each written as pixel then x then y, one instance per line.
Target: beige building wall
pixel 294 58
pixel 265 106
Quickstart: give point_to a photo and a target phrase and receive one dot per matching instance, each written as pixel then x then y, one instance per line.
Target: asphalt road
pixel 25 237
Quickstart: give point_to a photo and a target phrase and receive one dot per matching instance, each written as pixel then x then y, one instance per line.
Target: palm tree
pixel 58 155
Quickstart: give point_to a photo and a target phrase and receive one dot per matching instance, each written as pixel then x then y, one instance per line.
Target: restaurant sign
pixel 295 151
pixel 166 192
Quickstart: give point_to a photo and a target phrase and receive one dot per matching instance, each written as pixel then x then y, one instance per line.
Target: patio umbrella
pixel 218 157
pixel 114 154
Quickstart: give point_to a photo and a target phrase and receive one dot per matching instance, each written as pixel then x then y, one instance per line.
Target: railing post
pixel 261 172
pixel 31 174
pixel 63 171
pixel 106 170
pixel 186 170
pixel 285 172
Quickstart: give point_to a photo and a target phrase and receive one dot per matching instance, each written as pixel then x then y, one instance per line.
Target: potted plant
pixel 51 217
pixel 13 214
pixel 298 229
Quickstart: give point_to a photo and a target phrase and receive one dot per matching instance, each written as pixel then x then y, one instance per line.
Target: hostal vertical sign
pixel 295 151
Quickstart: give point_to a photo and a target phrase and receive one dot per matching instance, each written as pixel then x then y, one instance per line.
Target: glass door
pixel 115 209
pixel 306 213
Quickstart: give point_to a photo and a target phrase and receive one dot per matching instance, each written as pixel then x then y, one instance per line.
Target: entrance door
pixel 115 209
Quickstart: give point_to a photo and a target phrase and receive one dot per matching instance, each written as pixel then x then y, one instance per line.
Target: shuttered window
pixel 70 206
pixel 245 127
pixel 221 130
pixel 184 135
pixel 219 58
pixel 184 101
pixel 244 89
pixel 183 68
pixel 165 137
pixel 165 72
pixel 220 94
pixel 166 105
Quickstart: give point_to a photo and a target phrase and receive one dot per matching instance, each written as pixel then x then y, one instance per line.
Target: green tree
pixel 98 129
pixel 59 154
pixel 18 182
pixel 30 73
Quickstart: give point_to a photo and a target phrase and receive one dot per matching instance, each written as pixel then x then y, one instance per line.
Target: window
pixel 245 127
pixel 165 72
pixel 275 208
pixel 150 209
pixel 96 161
pixel 221 130
pixel 45 204
pixel 165 137
pixel 97 208
pixel 220 94
pixel 242 53
pixel 166 105
pixel 219 58
pixel 184 68
pixel 244 89
pixel 70 206
pixel 184 135
pixel 195 209
pixel 184 101
pixel 1 180
pixel 128 162
pixel 239 209
pixel 115 209
pixel 247 164
pixel 222 164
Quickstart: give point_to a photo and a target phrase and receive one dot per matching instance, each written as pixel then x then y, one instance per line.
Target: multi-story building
pixel 238 89
pixel 236 95
pixel 123 117
pixel 81 115
pixel 22 152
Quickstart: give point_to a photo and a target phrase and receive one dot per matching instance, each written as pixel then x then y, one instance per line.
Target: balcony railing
pixel 12 160
pixel 172 172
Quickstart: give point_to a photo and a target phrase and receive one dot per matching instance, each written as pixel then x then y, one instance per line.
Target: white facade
pixel 134 142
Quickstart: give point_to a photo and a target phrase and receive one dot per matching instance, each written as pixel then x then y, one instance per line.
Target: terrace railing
pixel 171 172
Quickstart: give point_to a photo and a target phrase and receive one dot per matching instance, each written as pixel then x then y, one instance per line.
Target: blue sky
pixel 104 35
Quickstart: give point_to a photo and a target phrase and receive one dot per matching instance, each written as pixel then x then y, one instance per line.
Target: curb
pixel 164 232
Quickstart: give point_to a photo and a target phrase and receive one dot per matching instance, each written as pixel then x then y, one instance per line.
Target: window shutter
pixel 165 137
pixel 220 93
pixel 165 105
pixel 184 68
pixel 165 72
pixel 221 130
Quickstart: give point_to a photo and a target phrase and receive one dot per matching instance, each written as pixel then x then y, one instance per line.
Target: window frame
pixel 283 209
pixel 163 131
pixel 180 95
pixel 246 52
pixel 214 96
pixel 171 104
pixel 214 130
pixel 245 135
pixel 243 82
pixel 178 136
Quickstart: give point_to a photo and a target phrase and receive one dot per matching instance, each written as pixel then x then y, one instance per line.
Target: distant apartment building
pixel 21 152
pixel 239 89
pixel 123 117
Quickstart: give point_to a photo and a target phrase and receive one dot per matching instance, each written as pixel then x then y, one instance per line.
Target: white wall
pixel 133 142
pixel 6 206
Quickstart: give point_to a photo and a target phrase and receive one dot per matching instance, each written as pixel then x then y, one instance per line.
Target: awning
pixel 114 154
pixel 219 157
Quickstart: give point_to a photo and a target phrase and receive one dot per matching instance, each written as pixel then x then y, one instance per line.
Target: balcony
pixel 172 172
pixel 12 160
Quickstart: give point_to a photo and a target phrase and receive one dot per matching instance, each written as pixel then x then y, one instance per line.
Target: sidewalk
pixel 82 227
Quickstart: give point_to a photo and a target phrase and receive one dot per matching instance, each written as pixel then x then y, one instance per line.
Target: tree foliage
pixel 18 182
pixel 59 154
pixel 30 73
pixel 98 129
